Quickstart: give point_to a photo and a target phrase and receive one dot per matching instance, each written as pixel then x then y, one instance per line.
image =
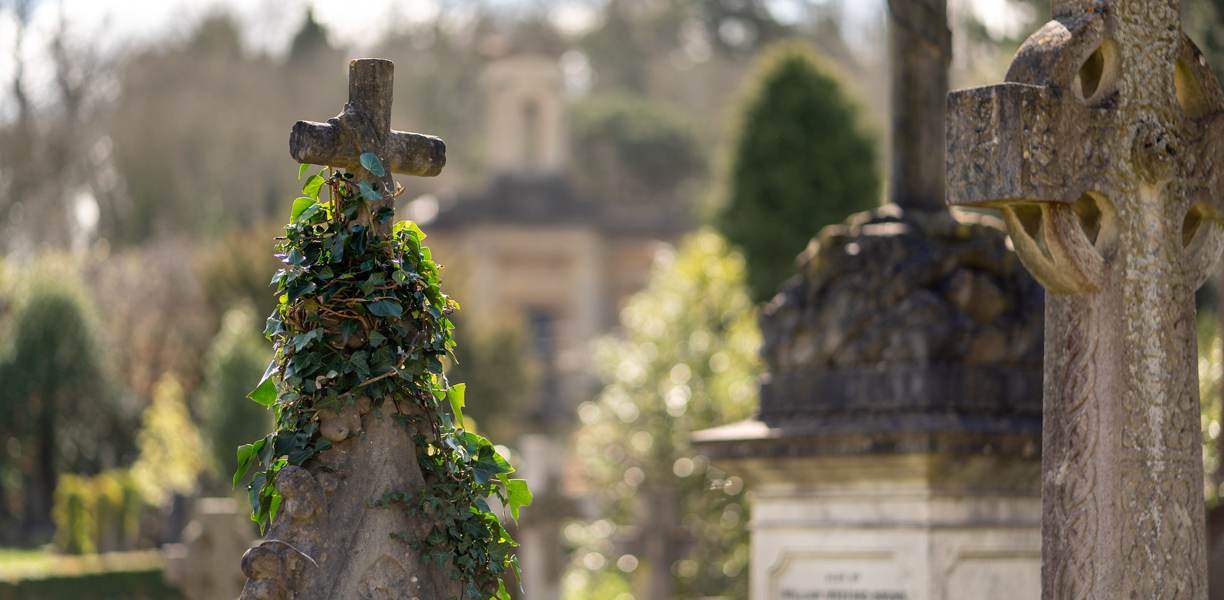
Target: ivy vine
pixel 363 314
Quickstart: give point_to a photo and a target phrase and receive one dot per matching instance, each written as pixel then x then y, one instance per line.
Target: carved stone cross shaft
pixel 1103 150
pixel 365 126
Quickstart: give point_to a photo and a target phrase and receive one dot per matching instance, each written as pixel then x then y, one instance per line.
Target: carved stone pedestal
pixel 897 454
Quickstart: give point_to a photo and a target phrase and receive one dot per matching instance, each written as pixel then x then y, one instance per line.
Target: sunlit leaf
pixel 370 161
pixel 299 206
pixel 265 392
pixel 312 186
pixel 455 394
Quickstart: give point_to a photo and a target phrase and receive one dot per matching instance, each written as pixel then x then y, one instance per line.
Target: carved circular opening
pixel 1090 73
pixel 1195 217
pixel 1098 74
pixel 1089 215
pixel 1030 218
pixel 1189 92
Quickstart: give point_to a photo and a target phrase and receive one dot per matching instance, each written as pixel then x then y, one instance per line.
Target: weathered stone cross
pixel 325 542
pixel 365 126
pixel 1104 152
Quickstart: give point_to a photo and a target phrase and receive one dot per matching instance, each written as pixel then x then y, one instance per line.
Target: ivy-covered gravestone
pixel 368 488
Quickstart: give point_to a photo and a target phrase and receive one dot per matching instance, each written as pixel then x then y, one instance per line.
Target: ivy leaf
pixel 410 226
pixel 274 327
pixel 309 212
pixel 376 339
pixel 253 490
pixel 265 392
pixel 367 191
pixel 299 206
pixel 312 187
pixel 370 161
pixel 302 170
pixel 455 394
pixel 347 329
pixel 299 289
pixel 300 340
pixel 246 457
pixel 518 493
pixel 386 308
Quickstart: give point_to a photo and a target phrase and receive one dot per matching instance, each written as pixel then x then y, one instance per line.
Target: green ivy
pixel 363 314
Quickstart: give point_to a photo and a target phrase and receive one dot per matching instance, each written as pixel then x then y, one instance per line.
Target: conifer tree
pixel 62 412
pixel 801 161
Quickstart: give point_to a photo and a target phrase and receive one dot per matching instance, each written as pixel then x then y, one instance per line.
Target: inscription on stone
pixel 819 576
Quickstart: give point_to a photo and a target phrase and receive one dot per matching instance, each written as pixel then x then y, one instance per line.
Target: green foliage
pixel 363 314
pixel 74 515
pixel 800 162
pixel 235 364
pixel 687 361
pixel 115 585
pixel 62 411
pixel 172 452
pixel 629 147
pixel 97 514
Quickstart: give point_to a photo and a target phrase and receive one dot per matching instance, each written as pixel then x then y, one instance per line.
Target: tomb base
pixel 923 525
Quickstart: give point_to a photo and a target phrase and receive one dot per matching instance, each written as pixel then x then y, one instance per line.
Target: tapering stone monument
pixel 1103 149
pixel 896 453
pixel 326 542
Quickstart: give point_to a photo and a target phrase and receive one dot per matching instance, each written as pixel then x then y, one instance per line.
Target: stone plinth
pixel 916 526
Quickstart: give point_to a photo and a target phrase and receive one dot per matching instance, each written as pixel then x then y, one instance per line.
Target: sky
pixel 115 26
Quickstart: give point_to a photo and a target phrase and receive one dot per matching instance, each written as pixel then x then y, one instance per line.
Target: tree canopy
pixel 686 360
pixel 800 161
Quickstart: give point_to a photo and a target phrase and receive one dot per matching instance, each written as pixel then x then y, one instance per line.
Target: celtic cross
pixel 1103 152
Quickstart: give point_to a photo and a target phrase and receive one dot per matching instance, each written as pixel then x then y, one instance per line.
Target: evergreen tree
pixel 634 149
pixel 61 410
pixel 801 161
pixel 234 366
pixel 686 360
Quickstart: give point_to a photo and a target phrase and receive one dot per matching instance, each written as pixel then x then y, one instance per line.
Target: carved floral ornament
pixel 1097 106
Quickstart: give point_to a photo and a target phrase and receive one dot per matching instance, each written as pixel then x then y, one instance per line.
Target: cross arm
pixel 335 144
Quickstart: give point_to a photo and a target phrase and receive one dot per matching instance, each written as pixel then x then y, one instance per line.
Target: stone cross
pixel 920 50
pixel 1103 151
pixel 365 126
pixel 326 543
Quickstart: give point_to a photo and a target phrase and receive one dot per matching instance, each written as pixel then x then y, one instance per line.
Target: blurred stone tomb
pixel 325 542
pixel 896 452
pixel 1103 150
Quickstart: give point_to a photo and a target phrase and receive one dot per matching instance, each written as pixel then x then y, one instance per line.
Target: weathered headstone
pixel 325 542
pixel 202 565
pixel 895 455
pixel 1103 150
